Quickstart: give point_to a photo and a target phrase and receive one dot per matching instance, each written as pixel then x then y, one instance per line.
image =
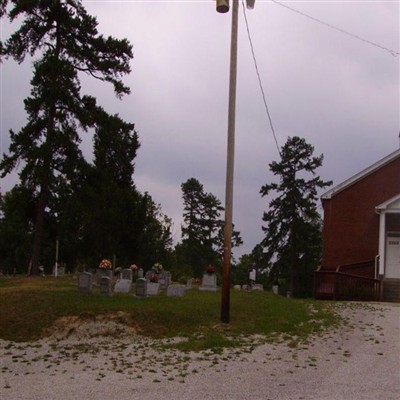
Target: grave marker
pixel 209 283
pixel 123 286
pixel 141 287
pixel 85 282
pixel 105 286
pixel 127 274
pixel 176 290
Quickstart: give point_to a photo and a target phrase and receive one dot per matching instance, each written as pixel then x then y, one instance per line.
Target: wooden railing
pixel 336 285
pixel 363 268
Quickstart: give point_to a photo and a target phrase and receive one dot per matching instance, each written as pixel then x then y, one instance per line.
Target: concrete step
pixel 391 289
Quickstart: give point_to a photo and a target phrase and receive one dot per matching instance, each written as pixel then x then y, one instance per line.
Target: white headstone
pixel 209 283
pixel 176 290
pixel 189 283
pixel 153 288
pixel 252 275
pixel 123 286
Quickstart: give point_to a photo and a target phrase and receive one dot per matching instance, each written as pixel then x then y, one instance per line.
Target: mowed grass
pixel 30 306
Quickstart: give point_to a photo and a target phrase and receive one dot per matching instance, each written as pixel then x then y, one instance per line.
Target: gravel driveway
pixel 358 361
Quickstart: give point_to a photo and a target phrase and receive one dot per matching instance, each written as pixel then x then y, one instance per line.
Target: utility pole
pixel 223 7
pixel 226 261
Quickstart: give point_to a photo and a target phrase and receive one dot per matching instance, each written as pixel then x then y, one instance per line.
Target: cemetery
pixel 154 282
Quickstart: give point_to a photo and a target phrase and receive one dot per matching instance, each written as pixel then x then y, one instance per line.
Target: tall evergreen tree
pixel 16 222
pixel 292 230
pixel 109 196
pixel 68 42
pixel 202 232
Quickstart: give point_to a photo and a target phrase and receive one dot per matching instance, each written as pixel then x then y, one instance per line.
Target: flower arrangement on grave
pixel 211 269
pixel 134 267
pixel 105 264
pixel 157 268
pixel 153 278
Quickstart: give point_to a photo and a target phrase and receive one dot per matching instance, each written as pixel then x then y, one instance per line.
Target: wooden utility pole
pixel 226 262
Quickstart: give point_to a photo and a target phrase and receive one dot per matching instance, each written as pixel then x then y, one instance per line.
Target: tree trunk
pixel 37 238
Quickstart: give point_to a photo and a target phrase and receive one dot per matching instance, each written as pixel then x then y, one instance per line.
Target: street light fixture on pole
pixel 223 7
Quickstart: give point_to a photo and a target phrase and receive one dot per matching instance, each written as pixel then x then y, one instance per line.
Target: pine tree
pixel 292 231
pixel 68 42
pixel 202 232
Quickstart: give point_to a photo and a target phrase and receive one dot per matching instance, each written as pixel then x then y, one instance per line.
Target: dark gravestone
pixel 141 287
pixel 105 286
pixel 85 282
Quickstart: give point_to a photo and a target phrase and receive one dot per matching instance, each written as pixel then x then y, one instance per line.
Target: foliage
pixel 16 225
pixel 202 231
pixel 68 43
pixel 293 226
pixel 93 210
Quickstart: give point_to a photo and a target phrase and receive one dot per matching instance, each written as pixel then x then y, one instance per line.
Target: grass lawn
pixel 30 306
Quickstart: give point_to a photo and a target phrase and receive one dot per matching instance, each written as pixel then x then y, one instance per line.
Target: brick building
pixel 361 234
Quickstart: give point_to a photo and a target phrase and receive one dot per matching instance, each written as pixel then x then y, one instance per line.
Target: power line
pixel 390 51
pixel 259 79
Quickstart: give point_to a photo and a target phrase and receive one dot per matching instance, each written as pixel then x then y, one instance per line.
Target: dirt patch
pixel 117 324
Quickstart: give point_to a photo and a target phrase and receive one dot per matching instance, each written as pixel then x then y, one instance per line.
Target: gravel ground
pixel 359 360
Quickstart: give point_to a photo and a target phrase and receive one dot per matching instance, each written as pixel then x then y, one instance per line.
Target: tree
pixel 16 224
pixel 292 230
pixel 109 198
pixel 202 232
pixel 68 42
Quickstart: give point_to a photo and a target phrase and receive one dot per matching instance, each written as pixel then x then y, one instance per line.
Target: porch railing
pixel 338 285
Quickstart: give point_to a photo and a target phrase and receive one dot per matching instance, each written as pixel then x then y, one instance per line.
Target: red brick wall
pixel 351 225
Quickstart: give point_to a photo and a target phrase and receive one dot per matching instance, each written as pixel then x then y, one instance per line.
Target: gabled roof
pixel 361 175
pixel 391 205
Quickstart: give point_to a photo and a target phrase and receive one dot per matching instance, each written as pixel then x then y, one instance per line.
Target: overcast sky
pixel 340 93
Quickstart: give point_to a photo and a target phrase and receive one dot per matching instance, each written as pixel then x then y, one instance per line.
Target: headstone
pixel 141 287
pixel 209 283
pixel 118 271
pixel 189 283
pixel 149 274
pixel 123 286
pixel 60 271
pixel 164 279
pixel 246 287
pixel 237 287
pixel 252 275
pixel 257 286
pixel 140 273
pixel 176 290
pixel 85 282
pixel 275 289
pixel 105 286
pixel 100 272
pixel 127 274
pixel 153 288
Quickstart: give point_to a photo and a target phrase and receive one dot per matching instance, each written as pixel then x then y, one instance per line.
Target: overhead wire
pixel 390 51
pixel 259 80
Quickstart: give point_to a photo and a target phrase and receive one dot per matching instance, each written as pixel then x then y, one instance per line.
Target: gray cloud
pixel 339 93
